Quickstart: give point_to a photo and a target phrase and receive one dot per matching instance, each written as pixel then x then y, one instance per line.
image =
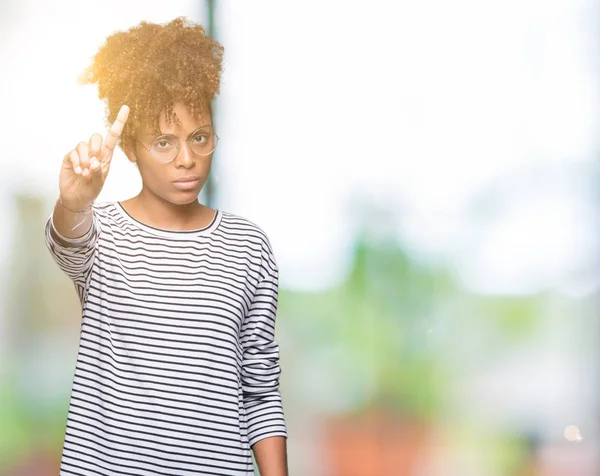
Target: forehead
pixel 183 117
pixel 181 121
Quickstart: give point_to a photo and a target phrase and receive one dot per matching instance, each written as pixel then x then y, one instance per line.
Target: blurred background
pixel 428 175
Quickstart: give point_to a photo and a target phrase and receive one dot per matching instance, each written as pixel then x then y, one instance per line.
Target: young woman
pixel 177 371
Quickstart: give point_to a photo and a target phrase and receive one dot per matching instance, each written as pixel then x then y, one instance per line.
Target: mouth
pixel 186 183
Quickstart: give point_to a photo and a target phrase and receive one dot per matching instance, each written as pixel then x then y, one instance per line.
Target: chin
pixel 183 198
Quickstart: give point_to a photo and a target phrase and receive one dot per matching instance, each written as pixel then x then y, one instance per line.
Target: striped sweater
pixel 178 368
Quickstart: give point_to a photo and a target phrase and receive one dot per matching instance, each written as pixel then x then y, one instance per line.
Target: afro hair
pixel 150 67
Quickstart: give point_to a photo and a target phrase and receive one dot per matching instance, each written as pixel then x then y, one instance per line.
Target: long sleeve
pixel 260 366
pixel 74 256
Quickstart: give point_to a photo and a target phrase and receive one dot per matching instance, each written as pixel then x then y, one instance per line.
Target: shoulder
pixel 254 235
pixel 243 228
pixel 106 214
pixel 104 209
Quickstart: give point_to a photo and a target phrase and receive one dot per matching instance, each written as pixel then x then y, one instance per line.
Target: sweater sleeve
pixel 74 256
pixel 260 365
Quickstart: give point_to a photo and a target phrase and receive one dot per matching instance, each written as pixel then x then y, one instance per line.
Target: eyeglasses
pixel 165 148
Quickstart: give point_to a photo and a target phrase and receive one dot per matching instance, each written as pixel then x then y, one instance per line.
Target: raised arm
pixel 82 177
pixel 71 234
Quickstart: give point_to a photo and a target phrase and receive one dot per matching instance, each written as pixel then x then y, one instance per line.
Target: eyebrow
pixel 204 126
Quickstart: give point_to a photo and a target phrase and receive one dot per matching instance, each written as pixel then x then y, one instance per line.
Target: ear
pixel 131 155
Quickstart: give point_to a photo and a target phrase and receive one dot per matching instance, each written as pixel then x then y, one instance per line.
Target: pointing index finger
pixel 114 133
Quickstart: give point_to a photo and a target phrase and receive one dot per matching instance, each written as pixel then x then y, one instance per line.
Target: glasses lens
pixel 164 148
pixel 203 142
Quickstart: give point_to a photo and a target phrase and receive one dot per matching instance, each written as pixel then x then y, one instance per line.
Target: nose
pixel 185 158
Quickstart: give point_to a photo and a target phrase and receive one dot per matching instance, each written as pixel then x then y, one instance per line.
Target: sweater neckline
pixel 167 233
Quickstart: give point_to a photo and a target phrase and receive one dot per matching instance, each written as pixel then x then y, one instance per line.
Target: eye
pixel 200 139
pixel 163 143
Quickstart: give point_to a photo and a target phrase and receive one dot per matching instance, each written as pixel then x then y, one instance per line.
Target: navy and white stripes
pixel 177 371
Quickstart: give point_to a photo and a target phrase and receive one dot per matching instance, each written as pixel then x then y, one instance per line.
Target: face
pixel 179 181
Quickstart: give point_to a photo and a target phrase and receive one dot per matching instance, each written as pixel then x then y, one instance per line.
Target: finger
pixel 114 133
pixel 97 176
pixel 84 160
pixel 95 145
pixel 73 158
pixel 95 167
pixel 105 167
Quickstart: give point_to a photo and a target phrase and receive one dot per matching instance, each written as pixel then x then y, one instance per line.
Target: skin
pixel 159 204
pixel 82 175
pixel 271 456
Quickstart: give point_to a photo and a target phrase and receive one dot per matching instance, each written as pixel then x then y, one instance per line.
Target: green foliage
pixel 516 317
pixel 14 437
pixel 378 319
pixel 26 429
pixel 388 329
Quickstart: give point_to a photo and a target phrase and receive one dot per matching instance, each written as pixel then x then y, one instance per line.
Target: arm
pixel 267 431
pixel 271 456
pixel 74 255
pixel 70 223
pixel 72 230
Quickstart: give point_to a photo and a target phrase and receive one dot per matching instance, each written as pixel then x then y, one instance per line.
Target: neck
pixel 153 210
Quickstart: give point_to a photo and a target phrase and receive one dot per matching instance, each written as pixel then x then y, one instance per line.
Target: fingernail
pixel 78 170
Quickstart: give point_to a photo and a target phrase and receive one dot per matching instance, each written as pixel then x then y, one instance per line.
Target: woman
pixel 177 371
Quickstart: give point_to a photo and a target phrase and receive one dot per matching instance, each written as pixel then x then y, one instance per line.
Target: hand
pixel 85 168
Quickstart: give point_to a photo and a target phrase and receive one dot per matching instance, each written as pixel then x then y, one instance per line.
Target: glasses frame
pixel 179 141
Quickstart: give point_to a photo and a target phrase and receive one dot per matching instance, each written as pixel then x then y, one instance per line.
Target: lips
pixel 186 183
pixel 187 179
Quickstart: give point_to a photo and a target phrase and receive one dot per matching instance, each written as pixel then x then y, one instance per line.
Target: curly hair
pixel 150 67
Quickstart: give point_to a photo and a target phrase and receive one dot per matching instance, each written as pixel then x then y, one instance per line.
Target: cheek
pixel 155 173
pixel 207 166
pixel 152 173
